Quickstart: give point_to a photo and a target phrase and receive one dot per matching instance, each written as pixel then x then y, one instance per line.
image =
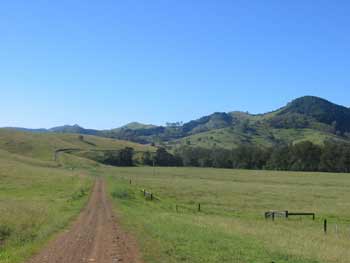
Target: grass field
pixel 231 226
pixel 39 197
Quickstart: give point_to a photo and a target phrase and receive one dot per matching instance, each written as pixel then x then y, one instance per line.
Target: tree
pixel 126 156
pixel 305 156
pixel 123 157
pixel 147 158
pixel 279 158
pixel 164 158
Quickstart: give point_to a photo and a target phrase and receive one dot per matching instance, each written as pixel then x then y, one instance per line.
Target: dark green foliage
pixel 123 157
pixel 195 156
pixel 320 110
pixel 290 121
pixel 5 232
pixel 221 158
pixel 303 156
pixel 164 158
pixel 279 158
pixel 335 157
pixel 147 158
pixel 250 157
pixel 123 194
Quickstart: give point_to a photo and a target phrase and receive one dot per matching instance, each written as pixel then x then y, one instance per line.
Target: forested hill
pixel 306 118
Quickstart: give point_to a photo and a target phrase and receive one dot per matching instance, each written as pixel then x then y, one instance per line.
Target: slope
pixel 43 145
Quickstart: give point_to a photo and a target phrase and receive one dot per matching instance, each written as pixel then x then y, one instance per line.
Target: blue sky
pixel 105 63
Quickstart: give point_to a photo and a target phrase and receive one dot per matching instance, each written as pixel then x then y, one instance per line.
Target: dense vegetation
pixel 303 156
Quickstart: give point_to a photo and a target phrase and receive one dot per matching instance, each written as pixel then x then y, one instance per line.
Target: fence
pixel 286 214
pixel 336 228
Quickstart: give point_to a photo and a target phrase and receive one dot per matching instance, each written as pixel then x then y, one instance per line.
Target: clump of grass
pixel 82 192
pixel 124 194
pixel 5 232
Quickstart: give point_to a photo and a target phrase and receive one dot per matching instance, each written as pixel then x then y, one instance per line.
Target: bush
pixel 5 232
pixel 124 194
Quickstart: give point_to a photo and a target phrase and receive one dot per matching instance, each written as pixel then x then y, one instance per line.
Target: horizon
pixel 164 124
pixel 103 65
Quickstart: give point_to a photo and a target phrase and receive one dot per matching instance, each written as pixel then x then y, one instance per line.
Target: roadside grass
pixel 36 201
pixel 231 226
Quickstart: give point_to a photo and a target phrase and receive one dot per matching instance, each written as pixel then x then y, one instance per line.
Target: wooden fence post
pixel 130 181
pixel 199 207
pixel 325 226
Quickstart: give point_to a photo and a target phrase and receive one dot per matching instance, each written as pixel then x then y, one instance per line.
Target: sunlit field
pixel 230 226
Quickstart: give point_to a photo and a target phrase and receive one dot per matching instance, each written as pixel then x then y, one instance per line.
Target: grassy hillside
pixel 231 225
pixel 255 135
pixel 43 145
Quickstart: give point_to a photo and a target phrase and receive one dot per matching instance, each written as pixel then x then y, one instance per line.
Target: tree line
pixel 333 156
pixel 303 156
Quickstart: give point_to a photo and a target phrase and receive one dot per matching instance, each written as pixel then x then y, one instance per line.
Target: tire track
pixel 94 237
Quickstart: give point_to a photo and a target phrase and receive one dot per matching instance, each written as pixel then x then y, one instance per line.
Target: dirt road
pixel 94 237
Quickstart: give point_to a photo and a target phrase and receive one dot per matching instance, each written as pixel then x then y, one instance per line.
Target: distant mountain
pixel 136 126
pixel 320 110
pixel 27 129
pixel 73 129
pixel 214 121
pixel 306 118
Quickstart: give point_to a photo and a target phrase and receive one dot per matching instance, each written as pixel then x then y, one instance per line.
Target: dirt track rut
pixel 94 237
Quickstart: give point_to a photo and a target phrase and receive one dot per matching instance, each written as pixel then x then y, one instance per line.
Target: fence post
pixel 199 207
pixel 336 230
pixel 151 196
pixel 287 214
pixel 273 216
pixel 313 217
pixel 130 181
pixel 325 226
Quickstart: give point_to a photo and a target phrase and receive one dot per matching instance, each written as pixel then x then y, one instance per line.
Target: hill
pixel 43 145
pixel 306 118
